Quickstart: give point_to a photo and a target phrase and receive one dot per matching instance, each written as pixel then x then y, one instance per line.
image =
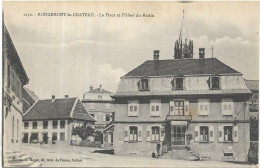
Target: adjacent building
pixel 54 118
pixel 253 86
pixel 100 106
pixel 29 98
pixel 14 78
pixel 196 108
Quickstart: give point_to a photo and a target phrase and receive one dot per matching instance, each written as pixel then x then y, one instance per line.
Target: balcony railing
pixel 178 117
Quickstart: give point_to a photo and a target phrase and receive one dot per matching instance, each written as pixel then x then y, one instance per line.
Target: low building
pixel 100 106
pixel 29 98
pixel 54 118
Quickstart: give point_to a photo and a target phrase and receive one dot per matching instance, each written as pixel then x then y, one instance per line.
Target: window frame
pixel 45 126
pixel 143 87
pixel 26 125
pixel 157 109
pixel 231 134
pixel 225 105
pixel 211 83
pixel 34 126
pixel 203 103
pixel 92 106
pixel 62 124
pixel 56 125
pixel 207 134
pixel 154 133
pixel 133 130
pixel 133 105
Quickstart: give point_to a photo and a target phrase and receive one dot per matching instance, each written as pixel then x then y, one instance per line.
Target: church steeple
pixel 183 46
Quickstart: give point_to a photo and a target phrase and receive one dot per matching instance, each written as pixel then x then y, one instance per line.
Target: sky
pixel 64 55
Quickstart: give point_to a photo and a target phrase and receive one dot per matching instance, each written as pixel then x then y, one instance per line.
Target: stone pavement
pixel 62 155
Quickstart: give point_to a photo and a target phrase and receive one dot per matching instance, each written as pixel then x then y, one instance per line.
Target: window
pixel 34 125
pixel 179 108
pixel 204 134
pixel 133 108
pixel 92 105
pixel 54 124
pixel 203 106
pixel 227 107
pixel 62 124
pixel 45 124
pixel 107 106
pixel 100 96
pixel 107 117
pixel 26 125
pixel 8 75
pixel 177 84
pixel 143 84
pixel 155 134
pixel 228 133
pixel 110 138
pixel 155 109
pixel 62 136
pixel 133 134
pixel 215 83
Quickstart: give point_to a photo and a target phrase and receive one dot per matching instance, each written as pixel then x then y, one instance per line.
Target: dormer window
pixel 177 83
pixel 214 83
pixel 143 84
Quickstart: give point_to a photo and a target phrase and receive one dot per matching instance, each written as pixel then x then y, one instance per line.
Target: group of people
pixel 75 140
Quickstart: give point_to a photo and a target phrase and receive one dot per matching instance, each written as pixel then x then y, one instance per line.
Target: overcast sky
pixel 64 55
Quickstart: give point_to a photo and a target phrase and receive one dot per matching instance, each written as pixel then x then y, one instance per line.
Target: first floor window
pixel 228 133
pixel 133 134
pixel 133 109
pixel 204 134
pixel 179 108
pixel 26 125
pixel 92 105
pixel 34 125
pixel 45 124
pixel 155 134
pixel 62 124
pixel 54 124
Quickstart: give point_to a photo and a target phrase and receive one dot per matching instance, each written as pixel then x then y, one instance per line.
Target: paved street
pixel 73 156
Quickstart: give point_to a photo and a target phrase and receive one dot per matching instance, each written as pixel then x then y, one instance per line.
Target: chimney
pixel 202 53
pixel 53 98
pixel 156 54
pixel 66 96
pixel 100 87
pixel 90 87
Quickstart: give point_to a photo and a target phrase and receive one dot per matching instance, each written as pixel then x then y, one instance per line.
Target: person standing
pixel 158 146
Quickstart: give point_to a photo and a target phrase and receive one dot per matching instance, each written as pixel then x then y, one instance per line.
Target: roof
pixel 59 109
pixel 253 85
pixel 98 90
pixel 175 67
pixel 13 56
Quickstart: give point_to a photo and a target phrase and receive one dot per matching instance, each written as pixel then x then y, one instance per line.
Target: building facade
pixel 14 78
pixel 196 108
pixel 54 118
pixel 100 106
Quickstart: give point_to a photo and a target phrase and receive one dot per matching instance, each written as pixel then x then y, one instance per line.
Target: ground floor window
pixel 204 134
pixel 54 136
pixel 228 133
pixel 178 134
pixel 62 136
pixel 155 134
pixel 133 134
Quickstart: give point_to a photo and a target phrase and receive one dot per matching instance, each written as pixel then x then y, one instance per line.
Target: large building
pixel 14 78
pixel 196 108
pixel 100 106
pixel 54 118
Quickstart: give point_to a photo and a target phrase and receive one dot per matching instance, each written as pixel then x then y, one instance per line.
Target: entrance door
pixel 178 134
pixel 25 138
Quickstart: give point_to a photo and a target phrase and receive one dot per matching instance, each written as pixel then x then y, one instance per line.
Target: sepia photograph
pixel 130 84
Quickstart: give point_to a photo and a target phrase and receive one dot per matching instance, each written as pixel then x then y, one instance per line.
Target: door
pixel 25 138
pixel 178 134
pixel 62 136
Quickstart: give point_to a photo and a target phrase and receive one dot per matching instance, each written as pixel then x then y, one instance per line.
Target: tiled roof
pixel 59 109
pixel 181 66
pixel 253 85
pixel 99 91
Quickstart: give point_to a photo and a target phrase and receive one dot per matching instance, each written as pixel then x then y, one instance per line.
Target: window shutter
pixel 162 133
pixel 236 133
pixel 186 107
pixel 220 134
pixel 140 133
pixel 173 84
pixel 126 137
pixel 104 117
pixel 172 107
pixel 148 133
pixel 211 133
pixel 196 136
